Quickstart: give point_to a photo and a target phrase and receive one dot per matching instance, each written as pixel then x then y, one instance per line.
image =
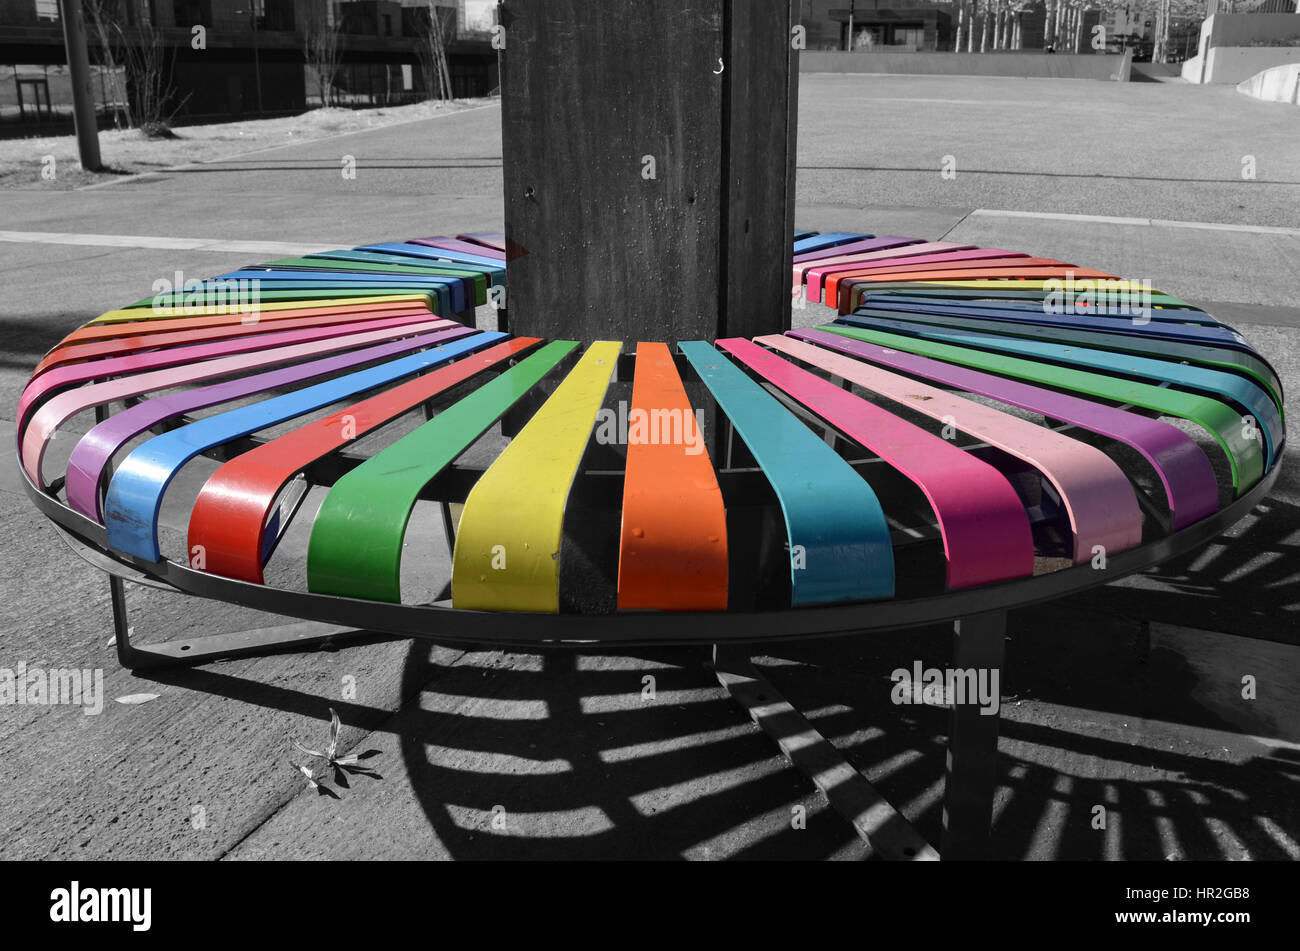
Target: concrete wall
pixel 1050 65
pixel 1235 64
pixel 1240 29
pixel 1278 84
pixel 1227 54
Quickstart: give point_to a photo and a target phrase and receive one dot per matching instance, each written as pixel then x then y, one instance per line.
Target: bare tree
pixel 149 78
pixel 140 50
pixel 102 16
pixel 433 51
pixel 321 31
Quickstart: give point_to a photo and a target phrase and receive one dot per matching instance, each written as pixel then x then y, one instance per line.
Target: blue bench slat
pixel 828 240
pixel 834 522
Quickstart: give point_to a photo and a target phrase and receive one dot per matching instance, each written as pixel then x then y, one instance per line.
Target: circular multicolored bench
pixel 978 429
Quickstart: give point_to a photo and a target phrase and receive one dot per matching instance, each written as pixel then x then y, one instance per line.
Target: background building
pixel 250 58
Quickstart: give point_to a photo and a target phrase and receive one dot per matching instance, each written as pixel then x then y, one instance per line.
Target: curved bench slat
pixel 828 239
pixel 845 251
pixel 1099 501
pixel 1099 311
pixel 507 555
pixel 1245 456
pixel 839 540
pixel 930 291
pixel 673 538
pixel 842 290
pixel 450 293
pixel 149 310
pixel 61 378
pixel 1136 341
pixel 938 252
pixel 93 452
pixel 1035 288
pixel 956 260
pixel 1228 387
pixel 489 239
pixel 228 522
pixel 293 296
pixel 1158 324
pixel 121 346
pixel 62 406
pixel 985 531
pixel 136 490
pixel 418 249
pixel 473 282
pixel 901 253
pixel 468 247
pixel 1180 464
pixel 167 323
pixel 356 541
pixel 407 265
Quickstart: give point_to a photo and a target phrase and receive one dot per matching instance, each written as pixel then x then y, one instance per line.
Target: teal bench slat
pixel 839 541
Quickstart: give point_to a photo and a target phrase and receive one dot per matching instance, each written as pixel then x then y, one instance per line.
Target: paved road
pixel 1151 150
pixel 1113 701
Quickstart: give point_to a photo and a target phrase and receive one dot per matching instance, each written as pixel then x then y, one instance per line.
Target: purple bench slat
pixel 469 247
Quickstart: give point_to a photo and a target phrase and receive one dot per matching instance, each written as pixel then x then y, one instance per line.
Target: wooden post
pixel 649 167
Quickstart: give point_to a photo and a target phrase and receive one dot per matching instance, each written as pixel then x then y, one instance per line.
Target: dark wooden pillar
pixel 649 167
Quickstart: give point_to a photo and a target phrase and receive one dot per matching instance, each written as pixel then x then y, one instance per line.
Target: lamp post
pixel 83 96
pixel 852 10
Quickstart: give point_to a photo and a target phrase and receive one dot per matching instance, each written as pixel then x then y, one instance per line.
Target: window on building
pixel 909 36
pixel 276 15
pixel 190 12
pixel 480 15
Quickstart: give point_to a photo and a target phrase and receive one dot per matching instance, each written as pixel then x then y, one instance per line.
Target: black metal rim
pixel 442 623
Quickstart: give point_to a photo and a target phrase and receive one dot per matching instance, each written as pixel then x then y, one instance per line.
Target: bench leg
pixel 972 770
pixel 200 650
pixel 302 635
